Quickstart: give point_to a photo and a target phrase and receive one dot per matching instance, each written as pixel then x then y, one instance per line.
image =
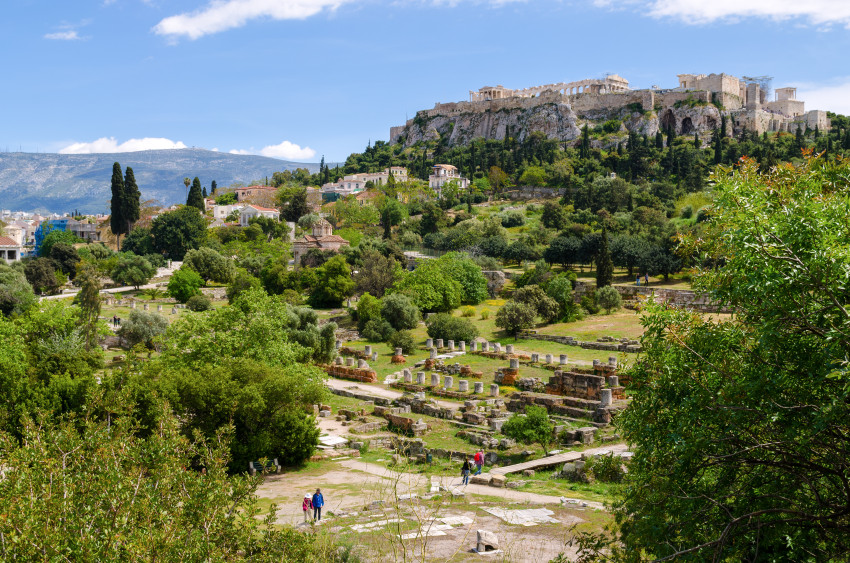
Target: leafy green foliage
pixel 16 295
pixel 132 270
pixel 560 288
pixel 41 275
pixel 209 264
pixel 242 281
pixel 195 198
pixel 400 311
pixel 333 284
pixel 176 232
pixel 604 265
pixel 142 327
pixel 608 298
pixel 534 427
pixel 377 273
pixel 544 306
pixel 448 327
pixel 199 303
pixel 430 288
pixel 402 339
pixel 514 317
pixel 56 236
pixel 184 284
pixel 66 258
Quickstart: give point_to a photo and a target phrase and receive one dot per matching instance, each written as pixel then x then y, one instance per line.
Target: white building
pixel 443 174
pixel 250 211
pixel 10 250
pixel 223 211
pixel 354 183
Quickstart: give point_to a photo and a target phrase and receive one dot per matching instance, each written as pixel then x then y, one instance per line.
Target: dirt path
pixel 378 391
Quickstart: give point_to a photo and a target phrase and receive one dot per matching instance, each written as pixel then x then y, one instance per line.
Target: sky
pixel 302 79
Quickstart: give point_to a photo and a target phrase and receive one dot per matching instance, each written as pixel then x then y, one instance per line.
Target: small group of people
pixel 645 279
pixel 313 502
pixel 116 321
pixel 477 461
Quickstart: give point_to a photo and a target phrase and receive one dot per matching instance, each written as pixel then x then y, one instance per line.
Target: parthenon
pixel 610 84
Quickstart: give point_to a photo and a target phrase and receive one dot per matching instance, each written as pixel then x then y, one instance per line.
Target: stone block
pixel 528 472
pixel 613 381
pixel 563 359
pixel 463 386
pixel 408 377
pixel 586 434
pixel 497 347
pixel 462 346
pixel 174 310
pixel 548 358
pixel 509 348
pixel 439 343
pixel 420 378
pixel 435 380
pixel 479 387
pixel 497 480
pixel 472 346
pixel 368 350
pixel 349 361
pixel 506 443
pixel 605 397
pixel 483 479
pixel 324 414
pixel 494 390
pixel 159 308
pixel 535 358
pixel 486 541
pixel 514 363
pixel 399 352
pixel 612 361
pixel 429 343
pixel 433 353
pixel 361 364
pixel 448 381
pixel 374 356
pixel 451 345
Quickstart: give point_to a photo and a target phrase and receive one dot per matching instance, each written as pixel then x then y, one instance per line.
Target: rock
pixel 526 472
pixel 497 480
pixel 324 414
pixel 513 484
pixel 486 541
pixel 483 479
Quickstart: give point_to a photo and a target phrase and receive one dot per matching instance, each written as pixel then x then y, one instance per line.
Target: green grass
pixel 544 483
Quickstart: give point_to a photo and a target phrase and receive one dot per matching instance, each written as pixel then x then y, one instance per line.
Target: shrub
pixel 368 308
pixel 398 310
pixel 515 317
pixel 209 264
pixel 184 284
pixel 467 312
pixel 142 328
pixel 242 281
pixel 132 270
pixel 533 296
pixel 512 218
pixel 447 327
pixel 199 303
pixel 606 468
pixel 402 339
pixel 377 330
pixel 485 314
pixel 609 298
pixel 588 302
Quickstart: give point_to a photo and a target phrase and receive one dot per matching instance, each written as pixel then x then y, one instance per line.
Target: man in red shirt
pixel 479 462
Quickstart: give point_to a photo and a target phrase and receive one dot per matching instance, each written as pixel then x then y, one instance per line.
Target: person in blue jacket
pixel 318 503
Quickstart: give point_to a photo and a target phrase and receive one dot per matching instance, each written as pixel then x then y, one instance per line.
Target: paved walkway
pixel 160 273
pixel 409 481
pixel 556 459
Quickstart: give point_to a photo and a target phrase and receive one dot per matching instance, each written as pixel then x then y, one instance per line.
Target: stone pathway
pixel 557 459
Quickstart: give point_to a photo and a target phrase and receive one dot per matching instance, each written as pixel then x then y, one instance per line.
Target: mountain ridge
pixel 58 183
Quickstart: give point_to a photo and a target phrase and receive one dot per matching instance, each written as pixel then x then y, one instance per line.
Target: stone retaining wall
pixel 352 373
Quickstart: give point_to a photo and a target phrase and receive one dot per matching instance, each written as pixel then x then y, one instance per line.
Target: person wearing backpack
pixel 479 462
pixel 464 471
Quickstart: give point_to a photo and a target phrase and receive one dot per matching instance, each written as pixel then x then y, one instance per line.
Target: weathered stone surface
pixel 486 541
pixel 497 480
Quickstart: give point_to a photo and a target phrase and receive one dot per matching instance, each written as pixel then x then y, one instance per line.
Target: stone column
pixel 548 358
pixel 462 346
pixel 398 352
pixel 420 378
pixel 613 381
pixel 339 361
pixel 463 386
pixel 612 361
pixel 429 343
pixel 472 346
pixel 338 344
pixel 563 359
pixel 497 347
pixel 433 353
pixel 479 387
pixel 408 377
pixel 514 363
pixel 596 363
pixel 494 390
pixel 374 356
pixel 484 346
pixel 174 310
pixel 368 350
pixel 606 397
pixel 448 381
pixel 349 361
pixel 419 396
pixel 133 305
pixel 439 343
pixel 435 380
pixel 509 348
pixel 535 358
pixel 145 306
pixel 362 364
pixel 451 345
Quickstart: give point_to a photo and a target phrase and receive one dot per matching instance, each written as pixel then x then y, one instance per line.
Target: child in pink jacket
pixel 307 506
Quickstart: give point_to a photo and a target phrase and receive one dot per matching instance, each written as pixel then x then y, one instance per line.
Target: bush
pixel 588 302
pixel 398 310
pixel 132 270
pixel 377 330
pixel 209 264
pixel 515 317
pixel 199 303
pixel 447 327
pixel 606 468
pixel 142 328
pixel 402 339
pixel 467 312
pixel 609 298
pixel 368 308
pixel 184 284
pixel 512 218
pixel 485 314
pixel 242 281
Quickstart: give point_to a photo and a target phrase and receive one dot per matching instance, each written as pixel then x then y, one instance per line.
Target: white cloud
pixel 221 15
pixel 833 97
pixel 63 36
pixel 288 150
pixel 238 151
pixel 109 145
pixel 816 12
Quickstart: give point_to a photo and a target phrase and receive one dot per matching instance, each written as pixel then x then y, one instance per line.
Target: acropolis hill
pixel 560 110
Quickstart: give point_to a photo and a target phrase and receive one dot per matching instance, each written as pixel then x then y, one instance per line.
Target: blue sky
pixel 298 79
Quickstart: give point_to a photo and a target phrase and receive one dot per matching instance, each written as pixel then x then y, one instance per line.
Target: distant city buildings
pixel 251 211
pixel 322 238
pixel 354 183
pixel 443 174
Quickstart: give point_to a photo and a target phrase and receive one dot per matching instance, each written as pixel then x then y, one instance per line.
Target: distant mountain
pixel 56 183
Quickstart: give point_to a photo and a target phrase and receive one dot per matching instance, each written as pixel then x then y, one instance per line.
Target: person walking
pixel 307 506
pixel 646 278
pixel 318 503
pixel 637 280
pixel 464 471
pixel 479 462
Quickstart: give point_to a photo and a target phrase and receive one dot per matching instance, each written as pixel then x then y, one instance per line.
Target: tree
pixel 514 317
pixel 41 275
pixel 533 176
pixel 184 283
pixel 554 216
pixel 138 241
pixel 519 251
pixel 430 289
pixel 758 406
pixel 333 284
pixel 242 282
pixel 609 298
pixel 16 295
pixel 398 310
pixel 544 306
pixel 563 250
pixel 89 301
pixel 132 195
pixel 66 258
pixel 560 288
pixel 498 179
pixel 56 236
pixel 209 264
pixel 196 198
pixel 176 232
pixel 628 252
pixel 132 270
pixel 604 265
pixel 142 327
pixel 377 274
pixel 118 205
pixel 660 261
pixel 293 203
pixel 467 273
pixel 392 214
pixel 534 427
pixel 213 187
pixel 227 198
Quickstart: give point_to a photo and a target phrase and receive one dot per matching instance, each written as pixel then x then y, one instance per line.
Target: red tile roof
pixel 6 241
pixel 258 208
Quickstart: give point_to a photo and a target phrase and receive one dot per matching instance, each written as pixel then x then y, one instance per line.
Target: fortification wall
pixel 669 99
pixel 586 103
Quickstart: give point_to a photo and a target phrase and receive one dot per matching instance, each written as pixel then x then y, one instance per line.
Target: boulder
pixel 486 541
pixel 497 480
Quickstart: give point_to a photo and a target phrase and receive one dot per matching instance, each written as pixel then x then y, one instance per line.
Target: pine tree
pixel 132 195
pixel 195 198
pixel 204 192
pixel 117 220
pixel 213 187
pixel 604 265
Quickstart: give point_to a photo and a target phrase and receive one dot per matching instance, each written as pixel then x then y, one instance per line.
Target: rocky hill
pixel 58 183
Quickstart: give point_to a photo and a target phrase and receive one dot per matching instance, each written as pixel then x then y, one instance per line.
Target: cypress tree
pixel 659 140
pixel 718 150
pixel 213 187
pixel 117 220
pixel 604 265
pixel 846 144
pixel 671 136
pixel 584 149
pixel 132 195
pixel 195 198
pixel 204 192
pixel 697 143
pixel 723 126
